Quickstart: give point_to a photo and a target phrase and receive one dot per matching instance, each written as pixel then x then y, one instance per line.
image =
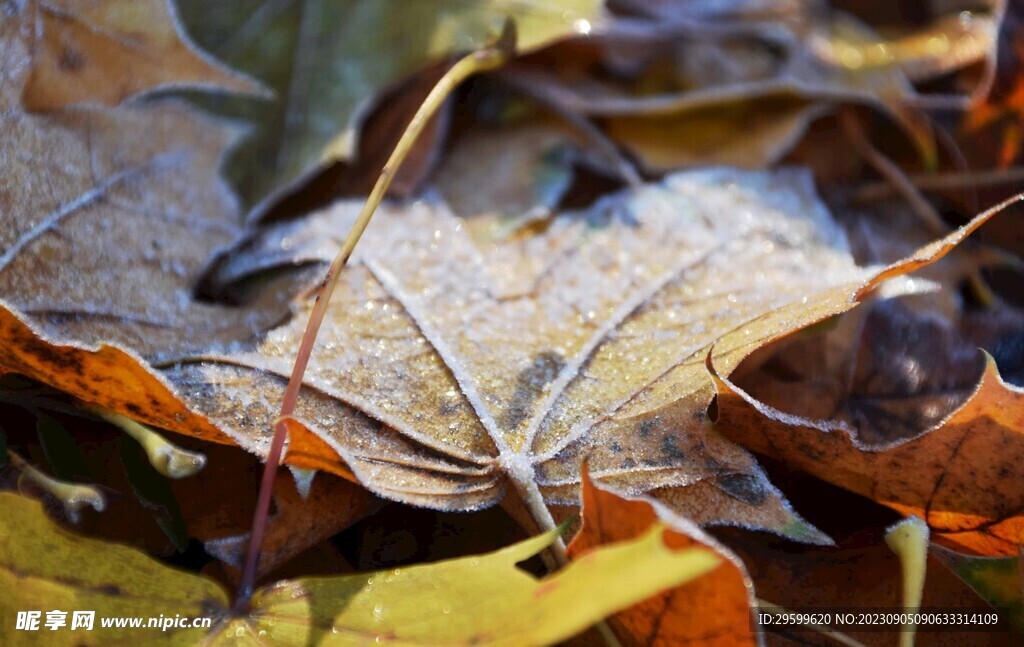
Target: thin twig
pixel 576 120
pixel 891 172
pixel 942 181
pixel 481 61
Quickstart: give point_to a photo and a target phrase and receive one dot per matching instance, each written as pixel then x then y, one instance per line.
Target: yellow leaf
pixel 479 600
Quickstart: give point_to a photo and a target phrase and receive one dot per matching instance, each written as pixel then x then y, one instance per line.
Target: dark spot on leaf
pixel 748 489
pixel 111 589
pixel 71 60
pixel 530 384
pixel 670 448
pixel 645 428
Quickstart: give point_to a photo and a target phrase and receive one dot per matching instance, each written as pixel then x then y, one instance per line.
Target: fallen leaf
pixel 958 477
pixel 105 52
pixel 44 567
pixel 112 216
pixel 481 600
pixel 729 67
pixel 747 134
pixel 890 371
pixel 448 369
pixel 712 610
pixel 1002 104
pixel 329 61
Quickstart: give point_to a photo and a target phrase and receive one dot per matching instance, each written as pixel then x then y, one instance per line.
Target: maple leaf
pixel 329 60
pixel 478 600
pixel 79 47
pixel 447 369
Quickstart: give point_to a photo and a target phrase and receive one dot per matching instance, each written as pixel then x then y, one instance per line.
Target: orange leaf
pixel 711 610
pixel 961 477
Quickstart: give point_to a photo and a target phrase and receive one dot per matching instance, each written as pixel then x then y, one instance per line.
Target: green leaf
pixel 998 580
pixel 153 490
pixel 328 60
pixel 480 600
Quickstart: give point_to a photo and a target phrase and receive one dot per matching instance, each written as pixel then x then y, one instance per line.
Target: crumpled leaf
pixel 448 369
pixel 889 370
pixel 480 600
pixel 329 60
pixel 712 610
pixel 958 477
pixel 104 52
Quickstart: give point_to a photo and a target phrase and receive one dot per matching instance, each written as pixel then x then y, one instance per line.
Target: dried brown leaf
pixel 958 477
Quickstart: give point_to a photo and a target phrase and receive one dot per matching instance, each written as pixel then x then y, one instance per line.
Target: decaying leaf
pixel 712 610
pixel 104 52
pixel 479 600
pixel 747 134
pixel 329 60
pixel 1003 102
pixel 891 370
pixel 518 174
pixel 958 477
pixel 447 369
pixel 112 215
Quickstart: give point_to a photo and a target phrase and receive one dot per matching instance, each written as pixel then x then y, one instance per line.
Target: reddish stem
pixel 481 61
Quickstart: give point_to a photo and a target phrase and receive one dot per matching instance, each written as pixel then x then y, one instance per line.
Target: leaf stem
pixel 483 60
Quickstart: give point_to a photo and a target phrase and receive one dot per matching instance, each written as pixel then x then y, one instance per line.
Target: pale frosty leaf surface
pixel 445 365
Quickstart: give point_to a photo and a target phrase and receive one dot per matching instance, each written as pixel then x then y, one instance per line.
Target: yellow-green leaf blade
pixel 481 600
pixel 44 568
